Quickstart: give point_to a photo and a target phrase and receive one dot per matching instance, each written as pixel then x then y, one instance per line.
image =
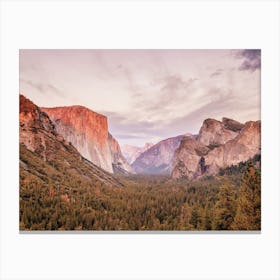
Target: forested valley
pixel 52 198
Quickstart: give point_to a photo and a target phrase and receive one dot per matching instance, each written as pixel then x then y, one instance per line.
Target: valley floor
pixel 223 202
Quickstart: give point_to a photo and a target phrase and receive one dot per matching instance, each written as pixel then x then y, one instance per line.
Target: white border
pixel 156 24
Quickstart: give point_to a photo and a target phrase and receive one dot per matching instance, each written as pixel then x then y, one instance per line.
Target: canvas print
pixel 139 140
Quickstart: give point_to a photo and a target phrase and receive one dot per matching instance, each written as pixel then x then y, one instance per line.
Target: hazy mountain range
pixel 131 153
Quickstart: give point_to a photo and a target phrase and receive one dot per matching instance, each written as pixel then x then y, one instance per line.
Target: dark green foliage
pixel 225 208
pixel 248 214
pixel 55 196
pixel 241 167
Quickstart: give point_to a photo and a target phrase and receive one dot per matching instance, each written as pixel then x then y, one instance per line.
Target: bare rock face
pixel 38 133
pixel 131 153
pixel 215 133
pixel 31 116
pixel 243 147
pixel 232 124
pixel 118 160
pixel 36 129
pixel 157 159
pixel 218 145
pixel 88 132
pixel 190 151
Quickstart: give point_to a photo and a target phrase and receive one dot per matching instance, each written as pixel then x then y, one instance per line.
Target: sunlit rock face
pixel 36 131
pixel 158 159
pixel 218 145
pixel 30 116
pixel 243 147
pixel 88 132
pixel 214 132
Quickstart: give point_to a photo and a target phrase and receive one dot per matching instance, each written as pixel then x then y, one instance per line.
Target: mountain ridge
pixel 158 158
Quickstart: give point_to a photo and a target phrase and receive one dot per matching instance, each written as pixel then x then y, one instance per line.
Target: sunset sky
pixel 147 95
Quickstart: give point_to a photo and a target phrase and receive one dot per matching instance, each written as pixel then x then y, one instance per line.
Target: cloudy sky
pixel 147 95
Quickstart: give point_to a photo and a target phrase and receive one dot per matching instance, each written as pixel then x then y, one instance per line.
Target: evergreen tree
pixel 194 218
pixel 248 216
pixel 225 208
pixel 207 220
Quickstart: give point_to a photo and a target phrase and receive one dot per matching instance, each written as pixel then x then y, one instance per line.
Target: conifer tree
pixel 225 208
pixel 248 216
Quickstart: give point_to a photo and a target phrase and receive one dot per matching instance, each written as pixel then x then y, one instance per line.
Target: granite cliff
pixel 88 132
pixel 218 145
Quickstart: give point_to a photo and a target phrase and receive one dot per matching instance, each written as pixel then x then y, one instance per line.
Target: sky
pixel 147 95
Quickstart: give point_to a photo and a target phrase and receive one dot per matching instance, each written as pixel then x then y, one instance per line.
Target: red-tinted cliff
pixel 88 132
pixel 44 152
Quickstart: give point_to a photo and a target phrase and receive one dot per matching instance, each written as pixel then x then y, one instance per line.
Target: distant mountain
pixel 47 159
pixel 158 158
pixel 218 145
pixel 88 133
pixel 131 153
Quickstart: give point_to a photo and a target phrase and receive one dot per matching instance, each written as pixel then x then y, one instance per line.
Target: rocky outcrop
pixel 232 124
pixel 218 145
pixel 131 153
pixel 88 132
pixel 43 149
pixel 243 147
pixel 36 131
pixel 158 159
pixel 187 158
pixel 215 133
